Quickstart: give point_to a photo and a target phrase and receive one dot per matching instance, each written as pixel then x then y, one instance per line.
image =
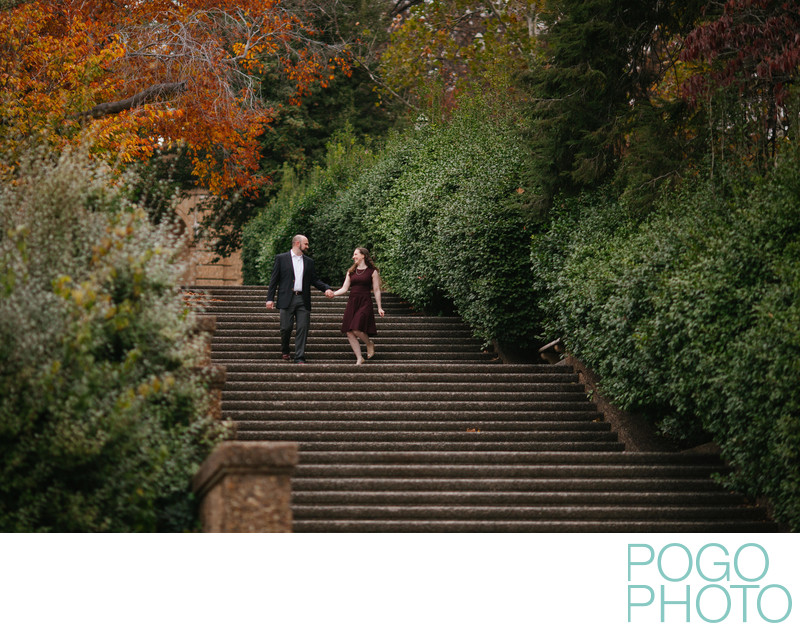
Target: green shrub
pixel 104 411
pixel 402 216
pixel 351 218
pixel 691 315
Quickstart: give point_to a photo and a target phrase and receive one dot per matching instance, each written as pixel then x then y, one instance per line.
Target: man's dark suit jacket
pixel 283 278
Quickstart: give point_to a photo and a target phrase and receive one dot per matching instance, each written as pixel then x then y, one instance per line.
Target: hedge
pixel 693 315
pixel 298 208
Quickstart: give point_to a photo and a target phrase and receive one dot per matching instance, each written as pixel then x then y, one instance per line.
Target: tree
pixel 441 49
pixel 603 60
pixel 297 138
pixel 105 412
pixel 135 78
pixel 745 56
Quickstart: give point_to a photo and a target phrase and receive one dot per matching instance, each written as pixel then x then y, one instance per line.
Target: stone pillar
pixel 246 487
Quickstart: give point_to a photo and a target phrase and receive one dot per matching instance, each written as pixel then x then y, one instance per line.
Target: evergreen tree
pixel 601 60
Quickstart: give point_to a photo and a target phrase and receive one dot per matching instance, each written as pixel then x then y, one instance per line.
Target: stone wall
pixel 205 268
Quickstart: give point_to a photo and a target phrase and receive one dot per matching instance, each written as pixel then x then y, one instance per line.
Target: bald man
pixel 293 274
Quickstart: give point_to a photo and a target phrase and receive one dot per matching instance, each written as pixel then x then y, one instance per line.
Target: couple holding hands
pixel 293 274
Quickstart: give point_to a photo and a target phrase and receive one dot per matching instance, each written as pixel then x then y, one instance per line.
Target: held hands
pixel 329 293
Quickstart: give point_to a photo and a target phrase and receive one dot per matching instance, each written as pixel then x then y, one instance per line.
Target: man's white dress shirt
pixel 297 262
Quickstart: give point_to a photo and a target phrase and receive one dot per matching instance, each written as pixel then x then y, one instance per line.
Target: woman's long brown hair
pixel 367 260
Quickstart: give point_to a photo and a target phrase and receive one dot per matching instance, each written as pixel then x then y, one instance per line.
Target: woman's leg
pixel 370 344
pixel 355 345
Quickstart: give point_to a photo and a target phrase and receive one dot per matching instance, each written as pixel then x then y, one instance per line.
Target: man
pixel 293 273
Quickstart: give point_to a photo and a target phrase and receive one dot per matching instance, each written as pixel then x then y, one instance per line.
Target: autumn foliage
pixel 751 42
pixel 137 77
pixel 744 59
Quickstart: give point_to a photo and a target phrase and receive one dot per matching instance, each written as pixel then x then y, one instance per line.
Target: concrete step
pixel 270 320
pixel 317 301
pixel 322 347
pixel 453 407
pixel 425 371
pixel 243 376
pixel 433 445
pixel 712 525
pixel 332 311
pixel 643 487
pixel 253 332
pixel 514 498
pixel 401 438
pixel 487 427
pixel 268 337
pixel 471 418
pixel 444 470
pixel 266 390
pixel 319 315
pixel 318 355
pixel 619 512
pixel 339 342
pixel 260 294
pixel 661 462
pixel 330 326
pixel 339 391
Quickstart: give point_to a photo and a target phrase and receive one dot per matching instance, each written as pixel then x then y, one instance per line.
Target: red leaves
pixel 753 41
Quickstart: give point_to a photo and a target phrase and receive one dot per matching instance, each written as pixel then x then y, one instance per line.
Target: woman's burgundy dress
pixel 358 314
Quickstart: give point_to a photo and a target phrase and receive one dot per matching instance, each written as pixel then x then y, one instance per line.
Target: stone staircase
pixel 435 435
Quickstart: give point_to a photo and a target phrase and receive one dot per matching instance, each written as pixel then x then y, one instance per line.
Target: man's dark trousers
pixel 299 314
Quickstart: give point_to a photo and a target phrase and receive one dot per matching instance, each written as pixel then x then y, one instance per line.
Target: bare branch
pixel 378 81
pixel 150 94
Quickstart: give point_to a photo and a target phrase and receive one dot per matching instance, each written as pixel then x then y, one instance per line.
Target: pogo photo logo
pixel 712 584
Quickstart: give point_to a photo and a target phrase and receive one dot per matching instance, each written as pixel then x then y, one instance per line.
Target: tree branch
pixel 402 5
pixel 377 81
pixel 149 94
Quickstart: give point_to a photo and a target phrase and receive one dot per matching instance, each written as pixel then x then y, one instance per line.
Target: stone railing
pixel 634 430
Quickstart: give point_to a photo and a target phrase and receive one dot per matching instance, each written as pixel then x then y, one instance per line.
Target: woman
pixel 359 318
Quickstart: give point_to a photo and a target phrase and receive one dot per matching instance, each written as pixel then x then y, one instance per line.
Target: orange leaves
pixel 131 136
pixel 48 68
pixel 91 69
